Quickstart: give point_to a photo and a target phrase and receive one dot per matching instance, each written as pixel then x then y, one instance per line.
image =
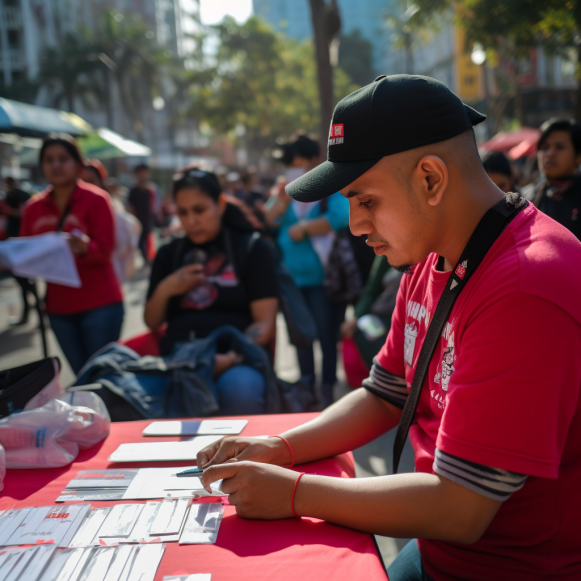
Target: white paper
pixel 75 576
pixel 120 520
pixel 49 524
pixel 10 521
pixel 194 577
pixel 47 256
pixel 36 566
pixel 20 565
pixel 89 529
pixel 119 562
pixel 195 428
pixel 10 559
pixel 101 479
pixel 162 451
pixel 162 483
pixel 169 517
pixel 62 565
pixel 98 564
pixel 140 532
pixel 202 524
pixel 146 562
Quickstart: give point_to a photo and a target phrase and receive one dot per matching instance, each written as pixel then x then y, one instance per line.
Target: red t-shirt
pixel 503 391
pixel 91 213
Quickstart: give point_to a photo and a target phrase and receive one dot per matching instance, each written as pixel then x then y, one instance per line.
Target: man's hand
pixel 256 490
pixel 79 243
pixel 268 451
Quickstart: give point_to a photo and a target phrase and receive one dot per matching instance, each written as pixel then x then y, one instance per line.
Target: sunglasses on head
pixel 192 173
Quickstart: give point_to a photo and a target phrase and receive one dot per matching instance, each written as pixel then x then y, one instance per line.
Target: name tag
pixel 410 336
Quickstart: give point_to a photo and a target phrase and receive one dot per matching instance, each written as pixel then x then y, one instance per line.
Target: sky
pixel 213 11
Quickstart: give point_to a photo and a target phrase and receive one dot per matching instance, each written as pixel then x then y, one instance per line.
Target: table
pixel 246 550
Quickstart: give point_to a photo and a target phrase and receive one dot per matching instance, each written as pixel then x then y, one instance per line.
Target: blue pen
pixel 190 472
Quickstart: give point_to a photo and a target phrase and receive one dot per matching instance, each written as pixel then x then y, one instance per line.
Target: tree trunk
pixel 324 70
pixel 578 91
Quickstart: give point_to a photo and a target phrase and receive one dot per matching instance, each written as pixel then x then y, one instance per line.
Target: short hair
pixel 306 147
pixel 205 181
pixel 140 166
pixel 568 125
pixel 497 162
pixel 65 141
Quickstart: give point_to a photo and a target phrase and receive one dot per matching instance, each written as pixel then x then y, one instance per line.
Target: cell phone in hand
pixel 195 256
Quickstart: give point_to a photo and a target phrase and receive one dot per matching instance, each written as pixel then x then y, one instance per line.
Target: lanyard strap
pixel 484 236
pixel 63 217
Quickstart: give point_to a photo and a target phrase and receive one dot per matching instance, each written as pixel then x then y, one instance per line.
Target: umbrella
pixel 106 144
pixel 523 141
pixel 33 121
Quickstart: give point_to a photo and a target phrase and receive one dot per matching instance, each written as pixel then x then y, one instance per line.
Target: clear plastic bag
pixel 51 436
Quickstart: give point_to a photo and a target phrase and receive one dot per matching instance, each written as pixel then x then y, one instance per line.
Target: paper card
pixel 91 494
pixel 195 428
pixel 77 522
pixel 129 563
pixel 162 451
pixel 194 577
pixel 169 517
pixel 63 564
pixel 118 563
pixel 9 560
pixel 146 562
pixel 140 532
pixel 10 521
pixel 89 529
pixel 82 563
pixel 106 479
pixel 19 566
pixel 98 564
pixel 42 555
pixel 162 483
pixel 120 520
pixel 202 524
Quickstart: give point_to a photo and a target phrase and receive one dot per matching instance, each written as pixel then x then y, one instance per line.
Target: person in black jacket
pixel 205 280
pixel 559 157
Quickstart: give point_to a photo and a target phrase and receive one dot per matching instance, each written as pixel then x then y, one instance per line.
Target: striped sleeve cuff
pixel 490 482
pixel 386 385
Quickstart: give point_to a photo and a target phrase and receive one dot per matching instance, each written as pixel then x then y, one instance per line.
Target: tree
pixel 326 26
pixel 355 58
pixel 512 27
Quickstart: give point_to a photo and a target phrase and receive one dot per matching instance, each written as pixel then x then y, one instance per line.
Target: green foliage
pixel 355 58
pixel 260 80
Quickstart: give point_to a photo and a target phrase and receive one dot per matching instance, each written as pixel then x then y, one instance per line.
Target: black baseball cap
pixel 393 114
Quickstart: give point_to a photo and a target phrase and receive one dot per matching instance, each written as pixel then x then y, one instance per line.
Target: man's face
pixel 557 158
pixel 389 214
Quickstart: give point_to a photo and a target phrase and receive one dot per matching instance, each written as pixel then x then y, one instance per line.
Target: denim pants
pixel 408 565
pixel 328 317
pixel 82 334
pixel 241 391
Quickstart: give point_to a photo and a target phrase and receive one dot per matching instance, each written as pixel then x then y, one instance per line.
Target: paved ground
pixel 19 345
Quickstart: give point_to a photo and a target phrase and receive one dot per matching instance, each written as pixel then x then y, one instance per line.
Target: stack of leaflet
pixel 153 522
pixel 55 525
pixel 142 484
pixel 47 563
pixel 98 485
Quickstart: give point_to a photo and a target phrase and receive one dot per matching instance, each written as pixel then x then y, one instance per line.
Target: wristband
pixel 289 447
pixel 294 492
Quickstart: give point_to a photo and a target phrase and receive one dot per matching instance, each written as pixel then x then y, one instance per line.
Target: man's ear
pixel 222 202
pixel 431 174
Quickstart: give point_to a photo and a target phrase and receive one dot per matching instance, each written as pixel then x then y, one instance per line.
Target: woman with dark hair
pixel 215 276
pixel 87 318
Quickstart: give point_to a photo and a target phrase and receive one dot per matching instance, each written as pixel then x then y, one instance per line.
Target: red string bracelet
pixel 294 492
pixel 289 447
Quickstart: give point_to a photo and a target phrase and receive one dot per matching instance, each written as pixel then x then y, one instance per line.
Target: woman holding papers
pixel 87 318
pixel 217 274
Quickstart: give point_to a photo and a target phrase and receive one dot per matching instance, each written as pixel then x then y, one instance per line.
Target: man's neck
pixel 464 218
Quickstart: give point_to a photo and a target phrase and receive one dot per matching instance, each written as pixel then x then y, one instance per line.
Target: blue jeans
pixel 82 334
pixel 408 565
pixel 328 317
pixel 241 391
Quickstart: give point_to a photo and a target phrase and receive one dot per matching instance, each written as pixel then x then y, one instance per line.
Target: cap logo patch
pixel 337 133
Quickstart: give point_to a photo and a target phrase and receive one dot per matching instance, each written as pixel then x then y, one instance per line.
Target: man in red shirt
pixel 497 432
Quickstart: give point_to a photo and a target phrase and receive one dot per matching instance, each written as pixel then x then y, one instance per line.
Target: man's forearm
pixel 416 505
pixel 353 421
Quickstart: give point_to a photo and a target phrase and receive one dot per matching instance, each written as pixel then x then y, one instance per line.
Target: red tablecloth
pixel 246 550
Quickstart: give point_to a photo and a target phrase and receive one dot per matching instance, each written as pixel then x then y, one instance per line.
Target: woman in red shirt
pixel 87 318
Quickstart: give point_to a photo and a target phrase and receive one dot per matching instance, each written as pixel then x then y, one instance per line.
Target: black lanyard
pixel 482 239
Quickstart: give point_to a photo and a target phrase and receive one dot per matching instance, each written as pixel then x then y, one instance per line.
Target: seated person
pixel 202 281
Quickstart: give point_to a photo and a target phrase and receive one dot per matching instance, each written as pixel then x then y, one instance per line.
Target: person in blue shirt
pixel 306 233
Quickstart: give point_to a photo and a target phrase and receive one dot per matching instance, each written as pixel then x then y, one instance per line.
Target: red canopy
pixel 517 143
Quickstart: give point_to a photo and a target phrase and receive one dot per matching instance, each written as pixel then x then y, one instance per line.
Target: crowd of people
pixel 213 270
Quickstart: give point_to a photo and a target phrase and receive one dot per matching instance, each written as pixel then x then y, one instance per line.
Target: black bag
pixel 19 385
